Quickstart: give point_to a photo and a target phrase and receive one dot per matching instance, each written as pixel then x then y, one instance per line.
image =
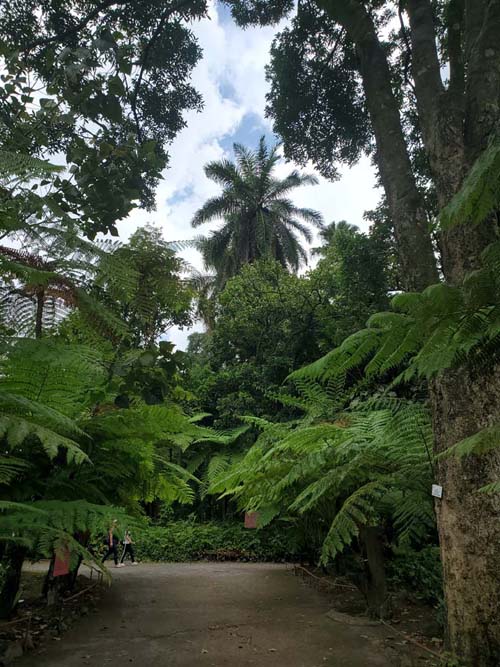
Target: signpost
pixel 251 519
pixel 61 562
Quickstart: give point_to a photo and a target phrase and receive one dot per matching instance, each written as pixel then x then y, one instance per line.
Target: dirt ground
pixel 218 614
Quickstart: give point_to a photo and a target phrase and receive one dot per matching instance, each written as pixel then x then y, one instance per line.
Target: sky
pixel 231 79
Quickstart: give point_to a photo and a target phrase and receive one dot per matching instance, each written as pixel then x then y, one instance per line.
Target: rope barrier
pixel 324 579
pixel 388 625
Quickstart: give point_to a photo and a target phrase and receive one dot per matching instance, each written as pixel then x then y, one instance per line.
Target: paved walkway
pixel 213 614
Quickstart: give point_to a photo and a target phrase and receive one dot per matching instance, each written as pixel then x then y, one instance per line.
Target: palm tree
pixel 259 220
pixel 329 232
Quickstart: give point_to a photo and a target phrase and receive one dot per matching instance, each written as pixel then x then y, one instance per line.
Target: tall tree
pixel 259 219
pixel 157 298
pixel 105 85
pixel 331 45
pixel 331 95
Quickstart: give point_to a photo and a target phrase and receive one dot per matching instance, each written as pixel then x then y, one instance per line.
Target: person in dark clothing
pixel 112 544
pixel 128 549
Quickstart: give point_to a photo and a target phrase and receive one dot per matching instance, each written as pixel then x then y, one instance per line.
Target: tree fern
pixel 481 442
pixel 10 468
pixel 20 164
pixel 479 195
pixel 442 327
pixel 356 511
pixel 370 461
pixel 55 375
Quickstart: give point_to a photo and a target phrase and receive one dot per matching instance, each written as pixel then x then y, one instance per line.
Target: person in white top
pixel 128 548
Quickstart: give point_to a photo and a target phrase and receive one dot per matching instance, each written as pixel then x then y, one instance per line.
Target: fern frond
pixel 20 164
pixel 358 509
pixel 480 443
pixel 16 431
pixel 479 195
pixel 10 468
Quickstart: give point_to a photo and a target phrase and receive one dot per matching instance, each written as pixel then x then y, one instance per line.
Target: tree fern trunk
pixel 375 585
pixel 40 302
pixel 468 521
pixel 12 562
pixel 55 587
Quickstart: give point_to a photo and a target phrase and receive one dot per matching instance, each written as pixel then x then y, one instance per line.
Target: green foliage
pixel 479 443
pixel 270 323
pixel 136 450
pixel 479 195
pixel 181 541
pixel 358 510
pixel 60 377
pixel 248 12
pixel 316 100
pixel 359 467
pixel 157 298
pixel 46 527
pixel 352 276
pixel 17 164
pixel 41 287
pixel 115 87
pixel 425 333
pixel 70 452
pixel 264 329
pixel 418 571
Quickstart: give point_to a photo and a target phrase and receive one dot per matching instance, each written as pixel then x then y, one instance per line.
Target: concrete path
pixel 213 614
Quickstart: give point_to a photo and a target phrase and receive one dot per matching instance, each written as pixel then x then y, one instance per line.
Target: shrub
pixel 186 541
pixel 419 572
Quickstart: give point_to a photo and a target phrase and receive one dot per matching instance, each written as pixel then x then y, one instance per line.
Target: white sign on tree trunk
pixel 437 491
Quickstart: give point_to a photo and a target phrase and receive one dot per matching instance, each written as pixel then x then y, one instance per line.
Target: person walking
pixel 112 544
pixel 128 549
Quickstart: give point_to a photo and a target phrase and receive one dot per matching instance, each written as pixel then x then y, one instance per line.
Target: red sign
pixel 251 519
pixel 61 563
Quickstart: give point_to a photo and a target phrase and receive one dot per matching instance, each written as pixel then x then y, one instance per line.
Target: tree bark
pixel 40 303
pixel 375 584
pixel 12 557
pixel 442 113
pixel 456 123
pixel 409 217
pixel 468 521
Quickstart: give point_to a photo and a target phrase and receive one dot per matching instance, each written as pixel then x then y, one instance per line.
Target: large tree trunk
pixel 456 123
pixel 442 114
pixel 468 521
pixel 407 210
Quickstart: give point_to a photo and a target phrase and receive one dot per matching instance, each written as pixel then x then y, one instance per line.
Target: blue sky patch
pixel 248 133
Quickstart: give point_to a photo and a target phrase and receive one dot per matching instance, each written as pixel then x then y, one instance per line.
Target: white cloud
pixel 231 79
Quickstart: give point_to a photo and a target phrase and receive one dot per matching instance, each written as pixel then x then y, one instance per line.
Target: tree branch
pixel 455 23
pixel 145 55
pixel 405 203
pixel 475 11
pixel 404 35
pixel 440 115
pixel 425 64
pixel 61 36
pixel 483 84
